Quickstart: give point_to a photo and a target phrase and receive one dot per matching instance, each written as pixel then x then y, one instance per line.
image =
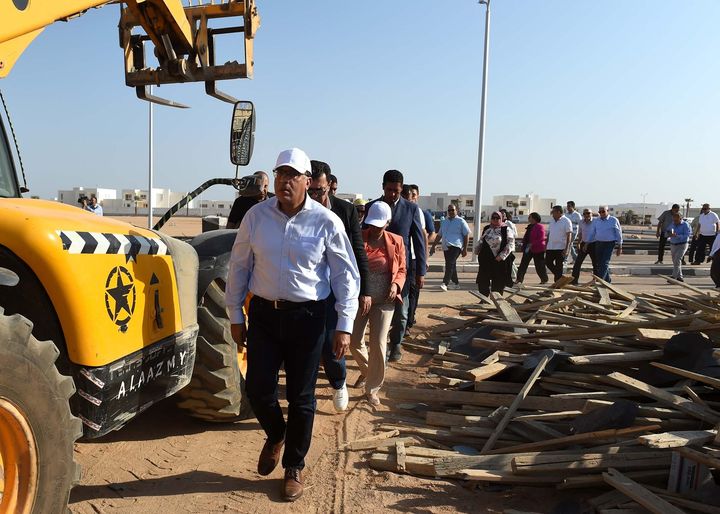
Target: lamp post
pixel 688 201
pixel 644 195
pixel 481 143
pixel 150 163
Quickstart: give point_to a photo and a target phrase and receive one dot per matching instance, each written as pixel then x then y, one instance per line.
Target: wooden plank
pixel 655 334
pixel 507 311
pixel 678 402
pixel 596 480
pixel 628 310
pixel 422 466
pixel 677 438
pixel 560 442
pixel 702 458
pixel 686 286
pixel 482 399
pixel 615 289
pixel 515 404
pixel 604 296
pixel 640 494
pixel 489 370
pixel 712 382
pixel 607 358
pixel 360 443
pixel 525 466
pixel 400 456
pixel 483 475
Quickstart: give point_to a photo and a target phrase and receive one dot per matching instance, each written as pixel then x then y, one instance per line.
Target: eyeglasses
pixel 451 210
pixel 333 190
pixel 288 174
pixel 586 214
pixel 315 191
pixel 602 210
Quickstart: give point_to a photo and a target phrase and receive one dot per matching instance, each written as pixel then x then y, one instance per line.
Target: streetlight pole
pixel 644 195
pixel 150 163
pixel 481 143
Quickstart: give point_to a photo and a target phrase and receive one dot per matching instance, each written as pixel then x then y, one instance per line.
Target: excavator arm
pixel 180 38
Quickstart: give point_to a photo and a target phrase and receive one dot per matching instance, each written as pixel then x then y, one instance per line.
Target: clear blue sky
pixel 588 100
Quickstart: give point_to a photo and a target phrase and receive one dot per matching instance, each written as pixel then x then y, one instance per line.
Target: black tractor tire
pixel 217 390
pixel 31 383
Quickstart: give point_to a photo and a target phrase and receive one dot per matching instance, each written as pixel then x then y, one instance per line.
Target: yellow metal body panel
pixel 106 302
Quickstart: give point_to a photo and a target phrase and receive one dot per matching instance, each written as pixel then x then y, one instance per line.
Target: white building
pixel 134 202
pixel 70 196
pixel 522 205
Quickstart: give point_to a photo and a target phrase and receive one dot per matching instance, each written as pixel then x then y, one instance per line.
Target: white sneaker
pixel 455 286
pixel 443 287
pixel 340 398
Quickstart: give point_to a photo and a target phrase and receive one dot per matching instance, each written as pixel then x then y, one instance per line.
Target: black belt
pixel 284 305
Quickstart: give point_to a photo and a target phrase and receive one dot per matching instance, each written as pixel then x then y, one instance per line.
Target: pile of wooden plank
pixel 549 396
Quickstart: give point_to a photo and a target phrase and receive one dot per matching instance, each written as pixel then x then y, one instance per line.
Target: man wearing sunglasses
pixel 709 227
pixel 319 191
pixel 606 234
pixel 290 253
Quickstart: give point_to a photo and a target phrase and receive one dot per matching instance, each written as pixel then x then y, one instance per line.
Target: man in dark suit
pixel 407 224
pixel 320 192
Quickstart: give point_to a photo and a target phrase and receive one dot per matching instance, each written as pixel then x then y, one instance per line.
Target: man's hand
pixel 618 252
pixel 394 291
pixel 565 252
pixel 499 258
pixel 341 343
pixel 420 281
pixel 239 333
pixel 464 252
pixel 364 305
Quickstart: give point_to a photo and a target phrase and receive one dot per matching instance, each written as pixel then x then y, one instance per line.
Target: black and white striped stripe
pixel 105 243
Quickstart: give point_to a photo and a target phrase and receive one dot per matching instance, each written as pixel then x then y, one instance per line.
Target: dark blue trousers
pixel 293 338
pixel 603 254
pixel 335 369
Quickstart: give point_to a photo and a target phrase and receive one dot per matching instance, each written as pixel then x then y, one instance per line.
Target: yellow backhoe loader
pixel 100 319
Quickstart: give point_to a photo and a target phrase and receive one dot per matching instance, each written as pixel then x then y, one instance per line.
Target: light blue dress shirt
pixel 682 233
pixel 295 259
pixel 605 230
pixel 453 232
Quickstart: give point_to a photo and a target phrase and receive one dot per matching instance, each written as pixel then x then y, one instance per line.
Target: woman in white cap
pixel 386 258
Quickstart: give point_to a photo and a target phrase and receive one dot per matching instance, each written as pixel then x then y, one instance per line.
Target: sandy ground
pixel 166 462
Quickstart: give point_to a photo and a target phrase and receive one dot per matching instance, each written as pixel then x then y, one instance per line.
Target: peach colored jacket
pixel 396 253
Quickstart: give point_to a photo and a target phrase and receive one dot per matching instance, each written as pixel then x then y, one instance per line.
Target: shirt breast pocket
pixel 307 252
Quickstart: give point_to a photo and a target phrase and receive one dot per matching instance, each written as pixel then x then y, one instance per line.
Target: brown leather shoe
pixel 269 457
pixel 292 485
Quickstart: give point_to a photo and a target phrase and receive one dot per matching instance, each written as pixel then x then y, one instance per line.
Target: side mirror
pixel 242 133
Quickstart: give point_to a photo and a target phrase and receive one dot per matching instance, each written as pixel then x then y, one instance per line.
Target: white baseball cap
pixel 378 214
pixel 296 159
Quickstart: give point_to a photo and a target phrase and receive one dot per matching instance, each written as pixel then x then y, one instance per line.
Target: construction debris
pixel 571 386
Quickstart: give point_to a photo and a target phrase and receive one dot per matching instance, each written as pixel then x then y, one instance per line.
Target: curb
pixel 688 271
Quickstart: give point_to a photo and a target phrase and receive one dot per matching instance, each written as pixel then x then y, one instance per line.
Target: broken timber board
pixel 700 457
pixel 577 439
pixel 515 404
pixel 677 439
pixel 637 492
pixel 687 286
pixel 605 358
pixel 618 291
pixel 508 312
pixel 713 382
pixel 604 296
pixel 678 402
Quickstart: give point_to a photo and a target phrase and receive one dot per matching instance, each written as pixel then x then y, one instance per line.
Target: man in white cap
pixel 289 252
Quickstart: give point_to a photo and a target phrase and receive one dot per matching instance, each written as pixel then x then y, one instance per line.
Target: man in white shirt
pixel 289 252
pixel 709 227
pixel 575 218
pixel 559 237
pixel 93 206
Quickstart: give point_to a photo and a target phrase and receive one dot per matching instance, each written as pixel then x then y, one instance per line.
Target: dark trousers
pixel 702 243
pixel 451 257
pixel 293 338
pixel 691 250
pixel 491 274
pixel 554 261
pixel 661 246
pixel 413 294
pixel 335 370
pixel 603 254
pixel 715 270
pixel 589 251
pixel 539 260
